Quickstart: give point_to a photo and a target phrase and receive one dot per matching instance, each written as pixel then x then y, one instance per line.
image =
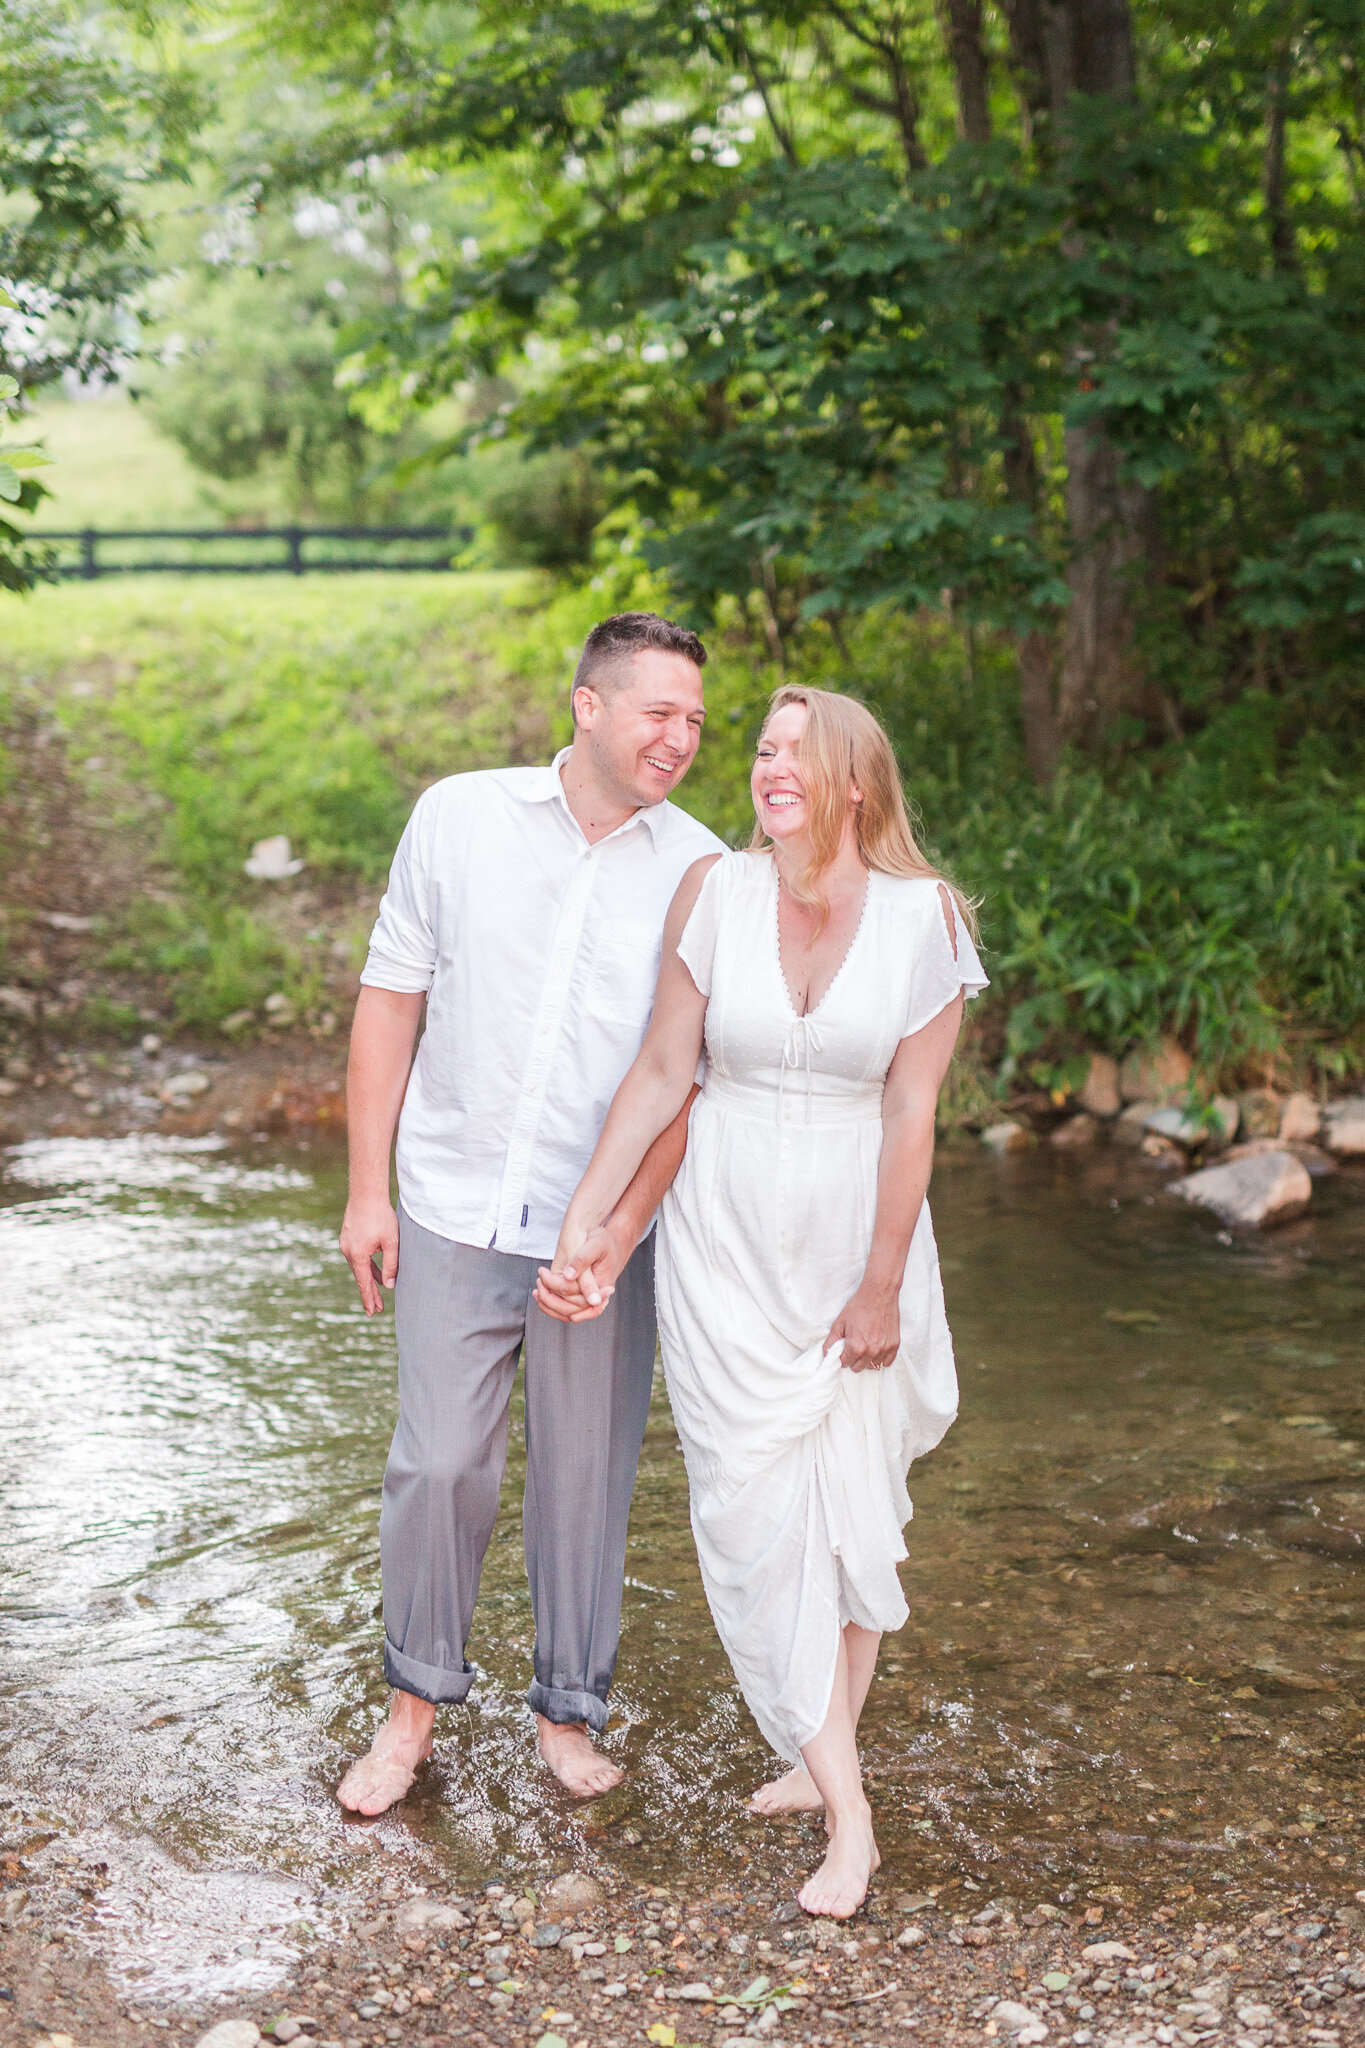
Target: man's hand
pixel 578 1287
pixel 369 1232
pixel 870 1326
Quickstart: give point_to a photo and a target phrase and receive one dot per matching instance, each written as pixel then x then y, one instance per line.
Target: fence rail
pixel 91 552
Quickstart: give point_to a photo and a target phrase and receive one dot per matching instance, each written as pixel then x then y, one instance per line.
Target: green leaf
pixel 10 482
pixel 25 458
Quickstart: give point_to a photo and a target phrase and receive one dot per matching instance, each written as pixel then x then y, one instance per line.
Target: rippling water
pixel 1137 1651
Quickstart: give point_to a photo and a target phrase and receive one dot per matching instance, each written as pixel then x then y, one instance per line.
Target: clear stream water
pixel 1135 1666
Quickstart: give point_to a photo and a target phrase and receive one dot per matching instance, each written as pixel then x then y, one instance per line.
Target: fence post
pixel 89 566
pixel 295 539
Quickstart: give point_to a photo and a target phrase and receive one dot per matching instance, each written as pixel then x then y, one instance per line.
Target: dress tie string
pixel 803 1039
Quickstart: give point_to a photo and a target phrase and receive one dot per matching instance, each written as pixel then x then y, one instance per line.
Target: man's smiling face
pixel 643 730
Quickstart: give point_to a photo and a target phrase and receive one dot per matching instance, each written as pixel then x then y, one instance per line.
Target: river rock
pixel 1158 1075
pixel 1082 1129
pixel 1300 1120
pixel 1006 1137
pixel 911 1937
pixel 1013 2018
pixel 573 1893
pixel 1313 1157
pixel 548 1934
pixel 1099 1092
pixel 230 2034
pixel 1344 1131
pixel 428 1916
pixel 1253 1192
pixel 1108 1952
pixel 182 1088
pixel 1131 1127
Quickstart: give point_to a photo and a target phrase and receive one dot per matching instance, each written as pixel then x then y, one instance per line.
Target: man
pixel 526 908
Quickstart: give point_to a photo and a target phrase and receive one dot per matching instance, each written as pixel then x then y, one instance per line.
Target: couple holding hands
pixel 624 1018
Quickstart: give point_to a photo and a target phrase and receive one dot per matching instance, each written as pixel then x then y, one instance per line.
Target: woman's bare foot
pixel 380 1779
pixel 839 1886
pixel 567 1748
pixel 794 1792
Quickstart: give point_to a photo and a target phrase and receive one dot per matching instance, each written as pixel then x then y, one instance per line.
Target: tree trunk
pixel 1283 251
pixel 1042 738
pixel 962 28
pixel 1112 526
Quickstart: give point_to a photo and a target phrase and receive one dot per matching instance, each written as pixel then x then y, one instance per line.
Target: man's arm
pixel 382 1038
pixel 587 1283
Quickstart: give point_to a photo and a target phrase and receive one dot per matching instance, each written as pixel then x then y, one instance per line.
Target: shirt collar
pixel 547 786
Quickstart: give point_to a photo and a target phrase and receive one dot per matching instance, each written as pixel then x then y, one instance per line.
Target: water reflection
pixel 1137 1651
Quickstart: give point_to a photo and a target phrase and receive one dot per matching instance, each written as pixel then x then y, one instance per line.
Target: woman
pixel 800 1311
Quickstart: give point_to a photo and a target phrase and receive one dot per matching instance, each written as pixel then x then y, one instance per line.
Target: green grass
pixel 111 468
pixel 1215 889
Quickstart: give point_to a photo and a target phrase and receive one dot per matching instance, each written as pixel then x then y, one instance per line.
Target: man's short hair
pixel 609 649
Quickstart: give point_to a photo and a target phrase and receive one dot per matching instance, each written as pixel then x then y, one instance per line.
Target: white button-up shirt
pixel 538 955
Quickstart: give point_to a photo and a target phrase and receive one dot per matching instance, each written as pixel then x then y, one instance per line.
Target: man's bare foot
pixel 839 1886
pixel 379 1780
pixel 567 1748
pixel 794 1792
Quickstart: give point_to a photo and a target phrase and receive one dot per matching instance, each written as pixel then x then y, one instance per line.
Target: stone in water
pixel 573 1893
pixel 1344 1131
pixel 1006 1137
pixel 1254 1192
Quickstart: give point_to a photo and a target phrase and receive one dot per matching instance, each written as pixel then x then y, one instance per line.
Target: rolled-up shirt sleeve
pixel 402 955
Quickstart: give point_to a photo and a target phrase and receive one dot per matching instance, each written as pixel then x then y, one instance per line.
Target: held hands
pixel 581 1282
pixel 870 1325
pixel 369 1236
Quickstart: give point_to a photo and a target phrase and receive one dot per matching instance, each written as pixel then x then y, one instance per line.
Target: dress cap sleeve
pixel 697 944
pixel 935 975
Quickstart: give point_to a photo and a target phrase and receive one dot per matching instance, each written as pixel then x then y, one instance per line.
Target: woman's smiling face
pixel 781 803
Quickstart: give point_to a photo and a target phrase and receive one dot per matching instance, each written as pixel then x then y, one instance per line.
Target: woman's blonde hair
pixel 842 743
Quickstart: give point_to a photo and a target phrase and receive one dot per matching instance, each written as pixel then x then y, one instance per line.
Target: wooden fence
pixel 91 552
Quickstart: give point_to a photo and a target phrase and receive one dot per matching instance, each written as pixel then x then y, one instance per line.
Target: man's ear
pixel 585 703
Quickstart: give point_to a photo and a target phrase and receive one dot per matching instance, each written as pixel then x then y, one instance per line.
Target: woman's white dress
pixel 796 1467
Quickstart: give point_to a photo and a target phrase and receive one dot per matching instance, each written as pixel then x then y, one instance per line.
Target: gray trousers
pixel 462 1315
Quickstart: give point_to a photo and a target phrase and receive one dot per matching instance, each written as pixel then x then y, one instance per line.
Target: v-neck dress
pixel 796 1467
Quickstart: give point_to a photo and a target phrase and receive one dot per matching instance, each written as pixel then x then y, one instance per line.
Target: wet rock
pixel 1038 1916
pixel 1313 1157
pixel 1344 1128
pixel 1163 1152
pixel 911 1937
pixel 573 1893
pixel 1157 1075
pixel 1082 1129
pixel 182 1088
pixel 1099 1092
pixel 1012 2018
pixel 1300 1120
pixel 230 2034
pixel 1131 1127
pixel 429 1916
pixel 1253 1192
pixel 1006 1137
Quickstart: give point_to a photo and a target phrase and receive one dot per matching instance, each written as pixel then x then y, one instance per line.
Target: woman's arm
pixel 580 1290
pixel 870 1323
pixel 656 1086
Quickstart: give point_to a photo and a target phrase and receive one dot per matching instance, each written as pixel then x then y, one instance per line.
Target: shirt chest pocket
pixel 625 967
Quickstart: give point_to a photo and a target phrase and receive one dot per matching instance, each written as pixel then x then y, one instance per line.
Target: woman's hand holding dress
pixel 869 1326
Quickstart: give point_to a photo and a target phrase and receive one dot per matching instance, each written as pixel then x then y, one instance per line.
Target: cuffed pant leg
pixel 587 1402
pixel 459 1316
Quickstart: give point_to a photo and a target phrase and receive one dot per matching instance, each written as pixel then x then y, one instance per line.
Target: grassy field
pixel 111 468
pixel 1215 890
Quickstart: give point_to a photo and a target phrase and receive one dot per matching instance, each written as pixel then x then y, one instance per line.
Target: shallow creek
pixel 1136 1661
